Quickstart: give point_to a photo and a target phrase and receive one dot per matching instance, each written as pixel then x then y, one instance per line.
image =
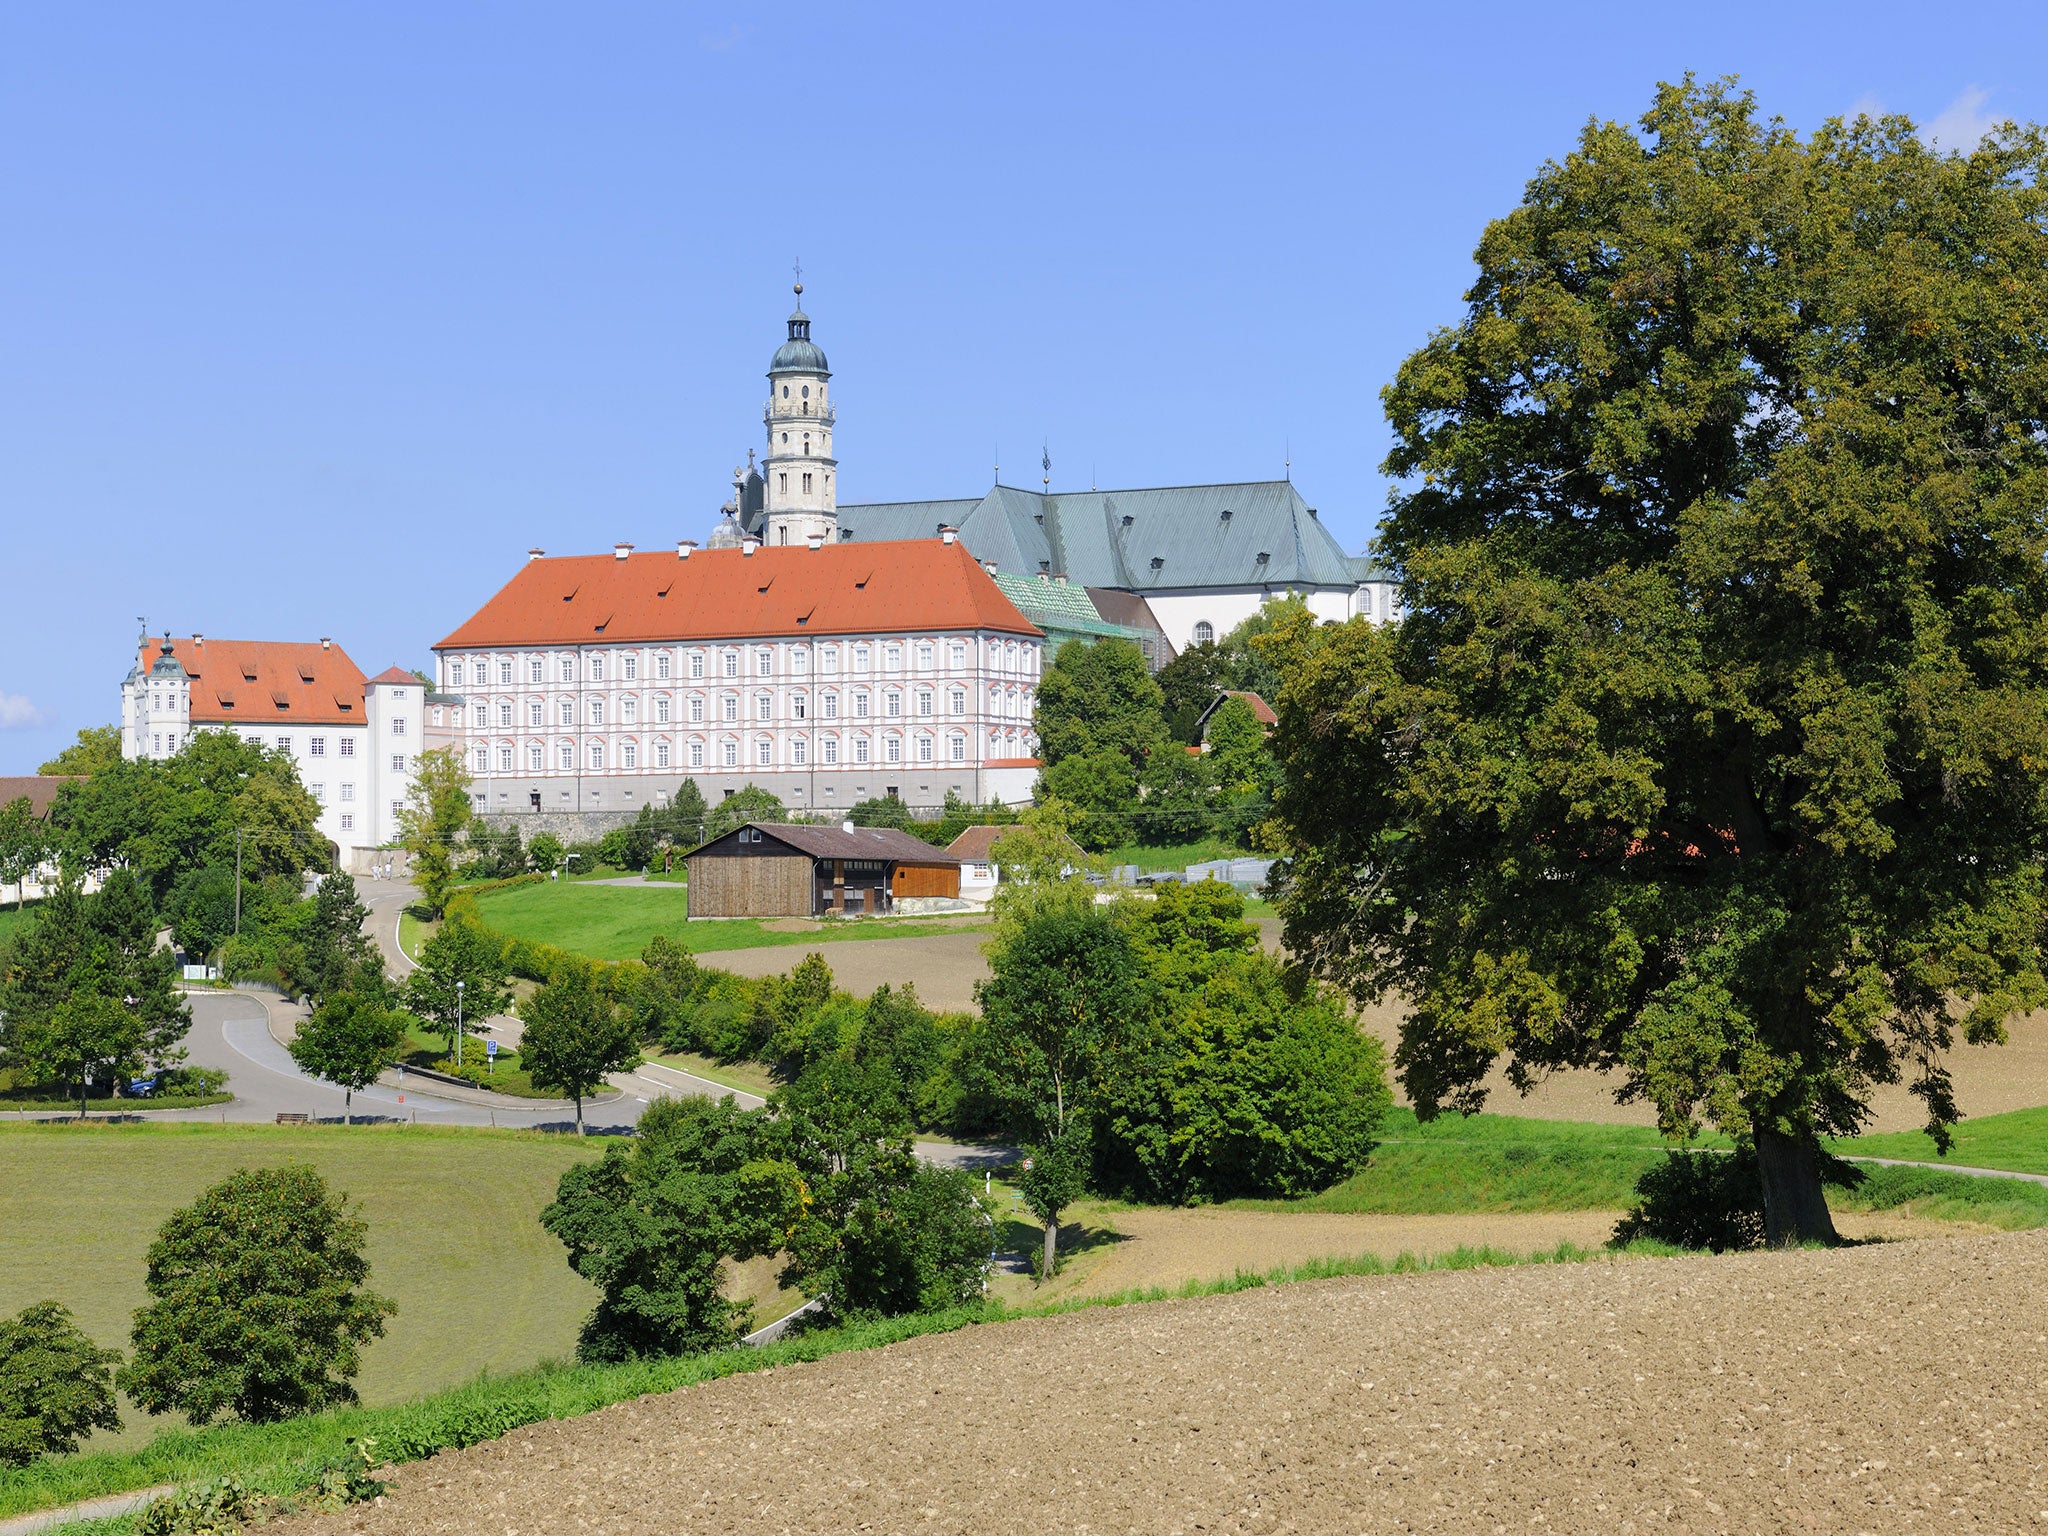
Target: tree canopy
pixel 1713 749
pixel 436 812
pixel 97 748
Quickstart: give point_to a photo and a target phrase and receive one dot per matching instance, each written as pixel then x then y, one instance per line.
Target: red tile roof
pixel 396 675
pixel 915 585
pixel 1261 710
pixel 976 845
pixel 267 682
pixel 39 789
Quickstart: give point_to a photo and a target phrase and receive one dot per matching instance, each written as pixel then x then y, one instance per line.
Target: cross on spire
pixel 799 268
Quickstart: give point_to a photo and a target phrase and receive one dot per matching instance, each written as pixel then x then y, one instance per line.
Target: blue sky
pixel 314 318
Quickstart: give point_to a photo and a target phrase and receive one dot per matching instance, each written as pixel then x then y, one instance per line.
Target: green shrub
pixel 195 1081
pixel 1709 1200
pixel 56 1385
pixel 218 1508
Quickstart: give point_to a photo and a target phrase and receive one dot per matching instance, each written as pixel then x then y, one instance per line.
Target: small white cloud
pixel 18 713
pixel 1962 124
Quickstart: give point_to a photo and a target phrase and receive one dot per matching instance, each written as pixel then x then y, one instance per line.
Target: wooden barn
pixel 760 870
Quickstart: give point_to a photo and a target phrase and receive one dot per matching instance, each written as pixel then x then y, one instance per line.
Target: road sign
pixel 490 1047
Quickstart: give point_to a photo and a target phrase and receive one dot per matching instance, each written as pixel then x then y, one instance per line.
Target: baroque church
pixel 1192 561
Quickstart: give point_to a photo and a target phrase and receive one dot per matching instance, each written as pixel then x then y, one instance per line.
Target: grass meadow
pixel 614 922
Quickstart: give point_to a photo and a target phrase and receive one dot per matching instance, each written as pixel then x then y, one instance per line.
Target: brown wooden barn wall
pixel 750 885
pixel 926 880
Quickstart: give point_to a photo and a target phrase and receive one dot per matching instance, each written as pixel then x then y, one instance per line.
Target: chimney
pixel 199 639
pixel 989 566
pixel 326 644
pixel 814 541
pixel 947 533
pixel 1043 577
pixel 620 551
pixel 747 546
pixel 846 826
pixel 683 548
pixel 535 554
pixel 1060 580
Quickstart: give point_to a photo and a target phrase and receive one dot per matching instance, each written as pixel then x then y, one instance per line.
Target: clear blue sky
pixel 313 318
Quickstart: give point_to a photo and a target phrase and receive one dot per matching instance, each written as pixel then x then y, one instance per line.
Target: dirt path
pixel 1890 1388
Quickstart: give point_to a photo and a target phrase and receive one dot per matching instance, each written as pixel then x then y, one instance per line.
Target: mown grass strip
pixel 2017 1141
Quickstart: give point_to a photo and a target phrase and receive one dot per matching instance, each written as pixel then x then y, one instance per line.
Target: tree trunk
pixel 1795 1202
pixel 347 1098
pixel 1052 1242
pixel 579 1114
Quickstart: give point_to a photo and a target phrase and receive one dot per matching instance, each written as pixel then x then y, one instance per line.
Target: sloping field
pixel 1897 1387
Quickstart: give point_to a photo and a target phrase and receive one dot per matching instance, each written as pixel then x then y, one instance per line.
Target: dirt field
pixel 1898 1387
pixel 945 966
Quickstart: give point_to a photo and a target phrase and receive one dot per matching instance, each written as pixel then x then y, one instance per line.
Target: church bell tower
pixel 801 500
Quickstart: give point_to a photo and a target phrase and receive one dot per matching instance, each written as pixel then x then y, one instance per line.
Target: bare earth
pixel 1898 1387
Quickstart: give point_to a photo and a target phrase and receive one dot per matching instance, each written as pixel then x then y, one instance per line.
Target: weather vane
pixel 799 266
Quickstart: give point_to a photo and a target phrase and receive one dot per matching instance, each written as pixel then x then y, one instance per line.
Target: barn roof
pixel 841 843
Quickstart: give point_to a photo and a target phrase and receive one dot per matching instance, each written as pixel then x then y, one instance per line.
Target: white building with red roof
pixel 353 740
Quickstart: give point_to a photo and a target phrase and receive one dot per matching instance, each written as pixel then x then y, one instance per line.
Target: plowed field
pixel 1895 1387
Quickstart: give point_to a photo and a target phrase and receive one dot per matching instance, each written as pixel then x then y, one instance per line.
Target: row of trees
pixel 1116 742
pixel 258 1311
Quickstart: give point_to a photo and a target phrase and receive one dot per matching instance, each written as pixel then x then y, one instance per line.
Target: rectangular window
pixel 568 755
pixel 661 754
pixel 732 754
pixel 959 749
pixel 892 705
pixel 860 749
pixel 924 704
pixel 631 708
pixel 924 749
pixel 796 751
pixel 764 708
pixel 483 759
pixel 455 674
pixel 829 704
pixel 807 482
pixel 533 712
pixel 797 706
pixel 860 706
pixel 729 708
pixel 661 665
pixel 828 661
pixel 533 670
pixel 632 666
pixel 568 711
pixel 696 754
pixel 398 725
pixel 533 759
pixel 801 660
pixel 483 716
pixel 892 656
pixel 504 759
pixel 959 654
pixel 764 752
pixel 504 671
pixel 696 663
pixel 860 658
pixel 924 657
pixel 959 701
pixel 397 809
pixel 348 822
pixel 892 749
pixel 831 750
pixel 597 669
pixel 732 663
pixel 348 747
pixel 597 711
pixel 764 662
pixel 597 754
pixel 348 793
pixel 661 711
pixel 504 714
pixel 398 762
pixel 568 669
pixel 631 755
pixel 696 711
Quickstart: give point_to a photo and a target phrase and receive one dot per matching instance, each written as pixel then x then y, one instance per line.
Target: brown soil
pixel 792 925
pixel 945 966
pixel 1897 1387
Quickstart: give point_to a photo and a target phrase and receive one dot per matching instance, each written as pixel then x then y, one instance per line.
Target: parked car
pixel 142 1087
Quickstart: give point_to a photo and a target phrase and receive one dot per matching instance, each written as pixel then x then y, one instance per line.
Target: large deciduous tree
pixel 347 1040
pixel 436 811
pixel 575 1034
pixel 1713 750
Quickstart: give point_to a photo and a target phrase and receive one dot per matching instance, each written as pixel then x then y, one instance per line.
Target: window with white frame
pixel 533 711
pixel 661 707
pixel 892 749
pixel 1204 632
pixel 860 749
pixel 731 660
pixel 764 751
pixel 892 705
pixel 398 762
pixel 797 707
pixel 533 759
pixel 316 746
pixel 568 669
pixel 860 658
pixel 831 750
pixel 630 710
pixel 348 793
pixel 504 712
pixel 764 662
pixel 284 743
pixel 924 656
pixel 800 659
pixel 796 751
pixel 828 705
pixel 696 710
pixel 454 674
pixel 828 659
pixel 729 708
pixel 924 749
pixel 505 671
pixel 696 663
pixel 924 703
pixel 696 754
pixel 958 701
pixel 661 666
pixel 348 747
pixel 892 657
pixel 534 670
pixel 398 725
pixel 661 754
pixel 348 821
pixel 959 654
pixel 956 747
pixel 631 664
pixel 730 754
pixel 597 711
pixel 764 707
pixel 482 714
pixel 568 757
pixel 629 755
pixel 568 711
pixel 597 754
pixel 504 759
pixel 860 706
pixel 597 669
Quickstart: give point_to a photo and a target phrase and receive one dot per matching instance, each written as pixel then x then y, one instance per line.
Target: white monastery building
pixel 353 739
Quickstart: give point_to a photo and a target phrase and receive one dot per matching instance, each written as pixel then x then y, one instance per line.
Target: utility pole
pixel 238 882
pixel 458 1023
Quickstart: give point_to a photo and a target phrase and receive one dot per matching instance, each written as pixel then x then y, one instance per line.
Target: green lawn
pixel 614 922
pixel 747 1076
pixel 11 919
pixel 454 1234
pixel 430 1048
pixel 1163 856
pixel 2018 1141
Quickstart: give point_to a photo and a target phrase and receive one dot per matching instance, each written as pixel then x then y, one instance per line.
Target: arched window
pixel 1205 633
pixel 1365 601
pixel 807 391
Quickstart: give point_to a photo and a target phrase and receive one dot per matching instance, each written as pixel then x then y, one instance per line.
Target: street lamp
pixel 458 1022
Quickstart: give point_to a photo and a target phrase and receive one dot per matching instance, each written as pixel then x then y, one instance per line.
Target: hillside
pixel 1893 1387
